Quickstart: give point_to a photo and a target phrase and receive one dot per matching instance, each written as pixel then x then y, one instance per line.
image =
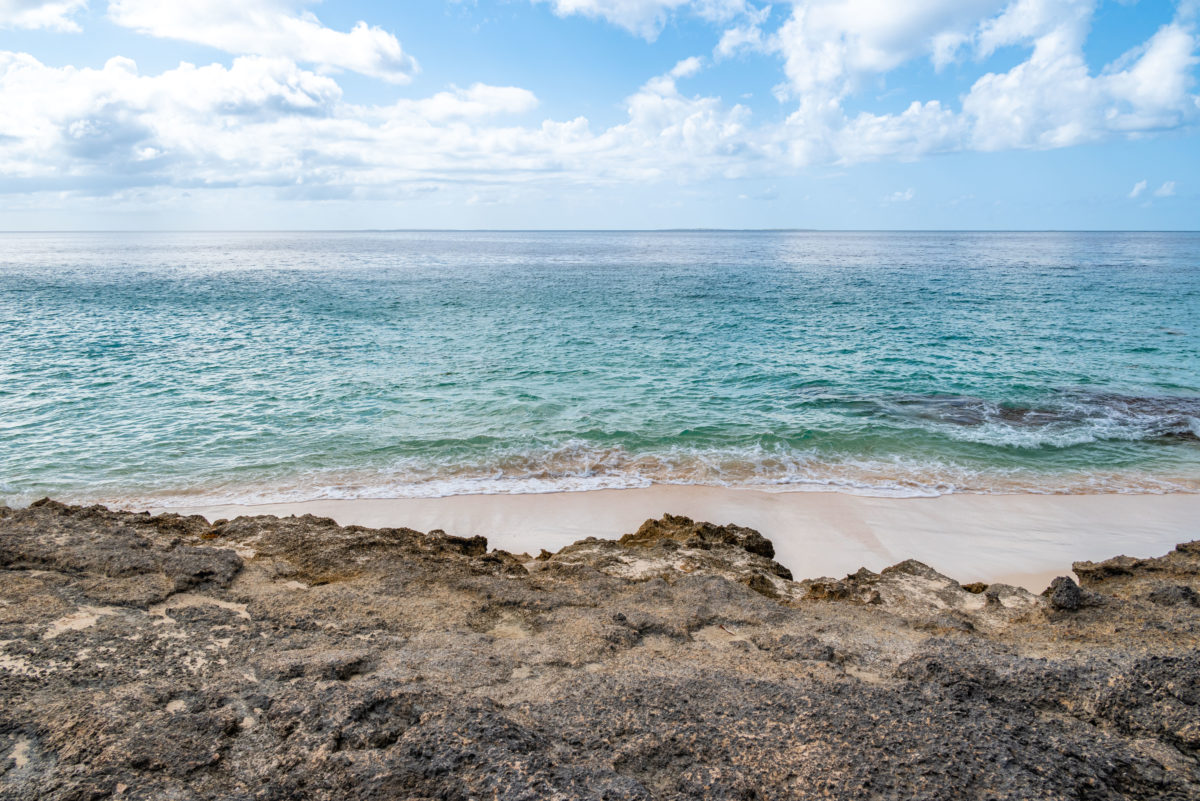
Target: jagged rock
pixel 677 545
pixel 1064 594
pixel 1173 595
pixel 265 658
pixel 1159 697
pixel 1182 563
pixel 125 559
pixel 925 598
pixel 699 535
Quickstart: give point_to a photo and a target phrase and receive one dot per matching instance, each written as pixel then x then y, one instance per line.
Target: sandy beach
pixel 1024 540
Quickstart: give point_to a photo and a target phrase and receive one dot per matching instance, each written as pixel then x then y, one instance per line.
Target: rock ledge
pixel 164 657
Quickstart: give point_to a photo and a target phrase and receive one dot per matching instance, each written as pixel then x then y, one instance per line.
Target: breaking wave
pixel 1068 419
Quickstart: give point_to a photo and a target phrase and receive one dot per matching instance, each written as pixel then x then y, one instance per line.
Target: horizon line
pixel 599 230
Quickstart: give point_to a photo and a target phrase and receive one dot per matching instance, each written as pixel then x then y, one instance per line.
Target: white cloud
pixel 687 68
pixel 646 18
pixel 833 47
pixel 55 15
pixel 747 36
pixel 266 122
pixel 901 197
pixel 1053 100
pixel 275 28
pixel 1027 20
pixel 740 39
pixel 686 138
pixel 920 129
pixel 829 46
pixel 1137 190
pixel 1166 190
pixel 480 100
pixel 1155 78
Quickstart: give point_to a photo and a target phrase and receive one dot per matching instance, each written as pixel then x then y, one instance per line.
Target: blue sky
pixel 131 114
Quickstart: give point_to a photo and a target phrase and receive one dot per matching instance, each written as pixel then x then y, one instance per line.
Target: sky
pixel 534 114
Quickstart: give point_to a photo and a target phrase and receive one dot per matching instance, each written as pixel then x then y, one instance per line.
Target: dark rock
pixel 762 585
pixel 351 663
pixel 701 535
pixel 795 647
pixel 339 664
pixel 125 559
pixel 1064 594
pixel 1112 575
pixel 1067 596
pixel 1174 595
pixel 1157 697
pixel 826 589
pixel 945 623
pixel 719 783
pixel 912 567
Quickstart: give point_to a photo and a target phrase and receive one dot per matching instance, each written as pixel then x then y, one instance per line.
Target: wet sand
pixel 1018 539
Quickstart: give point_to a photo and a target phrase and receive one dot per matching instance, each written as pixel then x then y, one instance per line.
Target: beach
pixel 1024 540
pixel 978 401
pixel 597 400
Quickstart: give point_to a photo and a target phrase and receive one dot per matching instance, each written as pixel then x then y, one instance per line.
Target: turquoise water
pixel 187 368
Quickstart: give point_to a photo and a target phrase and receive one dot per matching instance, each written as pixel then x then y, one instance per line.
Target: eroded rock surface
pixel 265 658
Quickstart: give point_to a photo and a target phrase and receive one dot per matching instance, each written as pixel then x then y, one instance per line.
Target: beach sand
pixel 1018 539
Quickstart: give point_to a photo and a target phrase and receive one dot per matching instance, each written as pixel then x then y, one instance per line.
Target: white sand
pixel 1019 539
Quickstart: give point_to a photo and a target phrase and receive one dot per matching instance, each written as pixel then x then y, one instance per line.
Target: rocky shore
pixel 266 658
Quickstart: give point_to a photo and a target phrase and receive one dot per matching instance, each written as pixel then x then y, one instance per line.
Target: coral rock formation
pixel 265 658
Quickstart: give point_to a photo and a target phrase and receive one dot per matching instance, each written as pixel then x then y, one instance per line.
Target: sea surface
pixel 188 368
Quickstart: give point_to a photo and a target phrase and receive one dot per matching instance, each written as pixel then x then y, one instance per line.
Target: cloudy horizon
pixel 598 114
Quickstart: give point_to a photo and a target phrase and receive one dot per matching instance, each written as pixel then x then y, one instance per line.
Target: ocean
pixel 186 368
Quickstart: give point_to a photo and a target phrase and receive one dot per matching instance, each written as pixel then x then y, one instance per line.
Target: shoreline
pixel 1024 540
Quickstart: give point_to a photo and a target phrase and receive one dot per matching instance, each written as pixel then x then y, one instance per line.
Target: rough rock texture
pixel 265 658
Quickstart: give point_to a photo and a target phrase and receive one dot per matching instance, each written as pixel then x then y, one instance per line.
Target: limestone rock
pixel 265 658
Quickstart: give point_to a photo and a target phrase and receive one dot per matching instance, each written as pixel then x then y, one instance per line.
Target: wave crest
pixel 580 466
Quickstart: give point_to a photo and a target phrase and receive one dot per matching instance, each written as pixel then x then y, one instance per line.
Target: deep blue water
pixel 187 367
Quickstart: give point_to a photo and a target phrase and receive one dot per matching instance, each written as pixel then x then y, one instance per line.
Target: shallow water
pixel 159 368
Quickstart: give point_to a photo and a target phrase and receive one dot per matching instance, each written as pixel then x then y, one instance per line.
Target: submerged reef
pixel 164 657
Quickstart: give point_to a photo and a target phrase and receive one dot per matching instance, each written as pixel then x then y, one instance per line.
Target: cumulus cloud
pixel 277 28
pixel 670 134
pixel 276 116
pixel 1137 190
pixel 55 15
pixel 747 36
pixel 480 100
pixel 266 122
pixel 646 18
pixel 1053 99
pixel 1166 190
pixel 830 48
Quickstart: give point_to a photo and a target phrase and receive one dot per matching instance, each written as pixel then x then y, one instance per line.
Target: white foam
pixel 894 480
